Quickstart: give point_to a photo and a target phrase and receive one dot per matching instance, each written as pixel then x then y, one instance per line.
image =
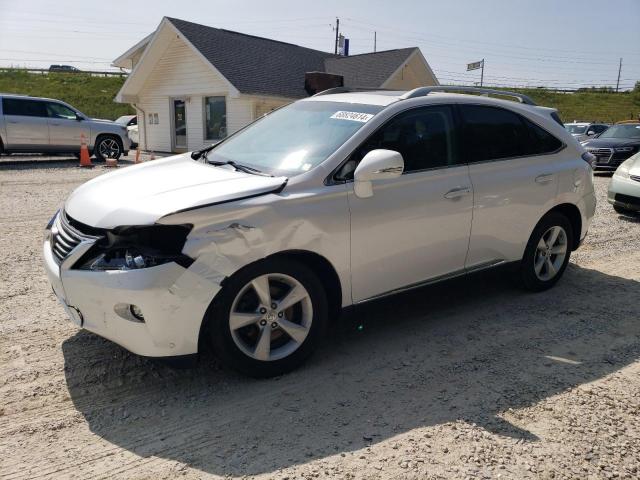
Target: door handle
pixel 457 192
pixel 55 124
pixel 544 178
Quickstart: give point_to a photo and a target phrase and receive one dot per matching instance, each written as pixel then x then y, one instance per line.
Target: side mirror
pixel 79 118
pixel 376 165
pixel 590 133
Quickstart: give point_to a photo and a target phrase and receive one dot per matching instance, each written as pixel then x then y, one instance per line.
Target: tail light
pixel 590 158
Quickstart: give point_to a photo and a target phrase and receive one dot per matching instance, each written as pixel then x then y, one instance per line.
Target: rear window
pixel 493 133
pixel 23 107
pixel 542 141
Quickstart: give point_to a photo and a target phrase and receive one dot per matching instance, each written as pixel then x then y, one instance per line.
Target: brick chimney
pixel 315 82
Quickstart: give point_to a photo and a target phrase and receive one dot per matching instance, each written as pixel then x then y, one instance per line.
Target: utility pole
pixel 337 33
pixel 375 41
pixel 619 70
pixel 482 72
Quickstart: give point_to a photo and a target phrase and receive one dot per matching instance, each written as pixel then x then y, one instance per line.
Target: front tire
pixel 547 253
pixel 268 318
pixel 108 147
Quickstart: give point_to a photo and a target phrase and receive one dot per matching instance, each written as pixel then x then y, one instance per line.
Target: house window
pixel 215 118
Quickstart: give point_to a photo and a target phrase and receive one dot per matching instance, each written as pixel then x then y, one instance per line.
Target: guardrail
pixel 45 71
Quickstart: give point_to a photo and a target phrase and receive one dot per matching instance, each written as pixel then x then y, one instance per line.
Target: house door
pixel 179 130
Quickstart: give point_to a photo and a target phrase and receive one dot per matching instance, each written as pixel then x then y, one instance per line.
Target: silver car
pixel 42 125
pixel 253 244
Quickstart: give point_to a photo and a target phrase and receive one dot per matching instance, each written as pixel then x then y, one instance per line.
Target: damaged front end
pixel 130 248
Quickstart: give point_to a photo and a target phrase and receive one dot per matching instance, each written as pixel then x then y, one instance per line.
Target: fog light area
pixel 136 312
pixel 130 312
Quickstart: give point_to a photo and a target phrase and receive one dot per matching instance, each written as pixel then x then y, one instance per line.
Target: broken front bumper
pixel 624 192
pixel 172 299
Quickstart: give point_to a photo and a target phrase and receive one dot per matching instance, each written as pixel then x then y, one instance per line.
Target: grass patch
pixel 94 96
pixel 91 95
pixel 590 106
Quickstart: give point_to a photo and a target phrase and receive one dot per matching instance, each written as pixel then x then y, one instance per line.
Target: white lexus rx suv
pixel 254 244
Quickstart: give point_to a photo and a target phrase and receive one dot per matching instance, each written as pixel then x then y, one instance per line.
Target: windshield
pixel 295 138
pixel 622 131
pixel 579 129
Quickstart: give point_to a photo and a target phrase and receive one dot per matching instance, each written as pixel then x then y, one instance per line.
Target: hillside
pixel 91 95
pixel 590 106
pixel 94 96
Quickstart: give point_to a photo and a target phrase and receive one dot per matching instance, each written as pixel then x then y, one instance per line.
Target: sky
pixel 552 43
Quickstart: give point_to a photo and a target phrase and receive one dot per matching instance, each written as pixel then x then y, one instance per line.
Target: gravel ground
pixel 470 379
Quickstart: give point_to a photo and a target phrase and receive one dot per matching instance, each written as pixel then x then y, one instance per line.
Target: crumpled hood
pixel 141 194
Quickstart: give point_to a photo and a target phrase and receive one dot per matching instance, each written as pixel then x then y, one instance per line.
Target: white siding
pixel 264 105
pixel 182 73
pixel 413 74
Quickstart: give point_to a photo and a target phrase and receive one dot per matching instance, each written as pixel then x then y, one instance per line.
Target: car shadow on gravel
pixel 467 350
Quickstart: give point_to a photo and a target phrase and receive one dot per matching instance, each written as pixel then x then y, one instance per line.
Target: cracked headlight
pixel 133 248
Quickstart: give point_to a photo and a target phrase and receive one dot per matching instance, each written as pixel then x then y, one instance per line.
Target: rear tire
pixel 547 253
pixel 250 335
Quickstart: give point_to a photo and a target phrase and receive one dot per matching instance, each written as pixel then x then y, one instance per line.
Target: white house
pixel 192 84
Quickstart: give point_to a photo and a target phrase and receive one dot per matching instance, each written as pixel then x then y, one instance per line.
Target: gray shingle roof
pixel 368 69
pixel 256 65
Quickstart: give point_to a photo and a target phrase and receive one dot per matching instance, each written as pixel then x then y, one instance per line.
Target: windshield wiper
pixel 202 153
pixel 239 166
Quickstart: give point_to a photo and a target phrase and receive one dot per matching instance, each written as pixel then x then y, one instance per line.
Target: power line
pixel 590 53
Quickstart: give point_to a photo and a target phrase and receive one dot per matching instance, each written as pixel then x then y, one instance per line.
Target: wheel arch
pixel 572 213
pixel 102 135
pixel 322 267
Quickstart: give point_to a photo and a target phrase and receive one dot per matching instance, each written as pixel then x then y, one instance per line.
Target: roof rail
pixel 423 91
pixel 330 91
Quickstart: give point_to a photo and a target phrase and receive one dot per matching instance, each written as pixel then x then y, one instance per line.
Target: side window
pixel 215 114
pixel 424 136
pixel 541 141
pixel 57 110
pixel 25 108
pixel 492 133
pixel 599 128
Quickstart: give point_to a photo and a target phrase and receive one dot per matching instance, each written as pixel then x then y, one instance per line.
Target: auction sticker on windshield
pixel 354 116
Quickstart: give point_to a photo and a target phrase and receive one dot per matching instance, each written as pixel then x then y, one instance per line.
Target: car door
pixel 26 124
pixel 414 227
pixel 514 178
pixel 65 127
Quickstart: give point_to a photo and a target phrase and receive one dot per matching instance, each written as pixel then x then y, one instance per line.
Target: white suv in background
pixel 253 244
pixel 582 131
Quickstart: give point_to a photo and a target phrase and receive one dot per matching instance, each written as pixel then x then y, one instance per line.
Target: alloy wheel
pixel 550 253
pixel 109 148
pixel 271 317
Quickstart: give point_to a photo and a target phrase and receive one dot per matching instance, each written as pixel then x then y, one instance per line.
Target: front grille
pixel 635 177
pixel 603 155
pixel 628 199
pixel 65 238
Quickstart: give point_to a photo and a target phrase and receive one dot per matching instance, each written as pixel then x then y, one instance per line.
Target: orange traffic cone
pixel 85 161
